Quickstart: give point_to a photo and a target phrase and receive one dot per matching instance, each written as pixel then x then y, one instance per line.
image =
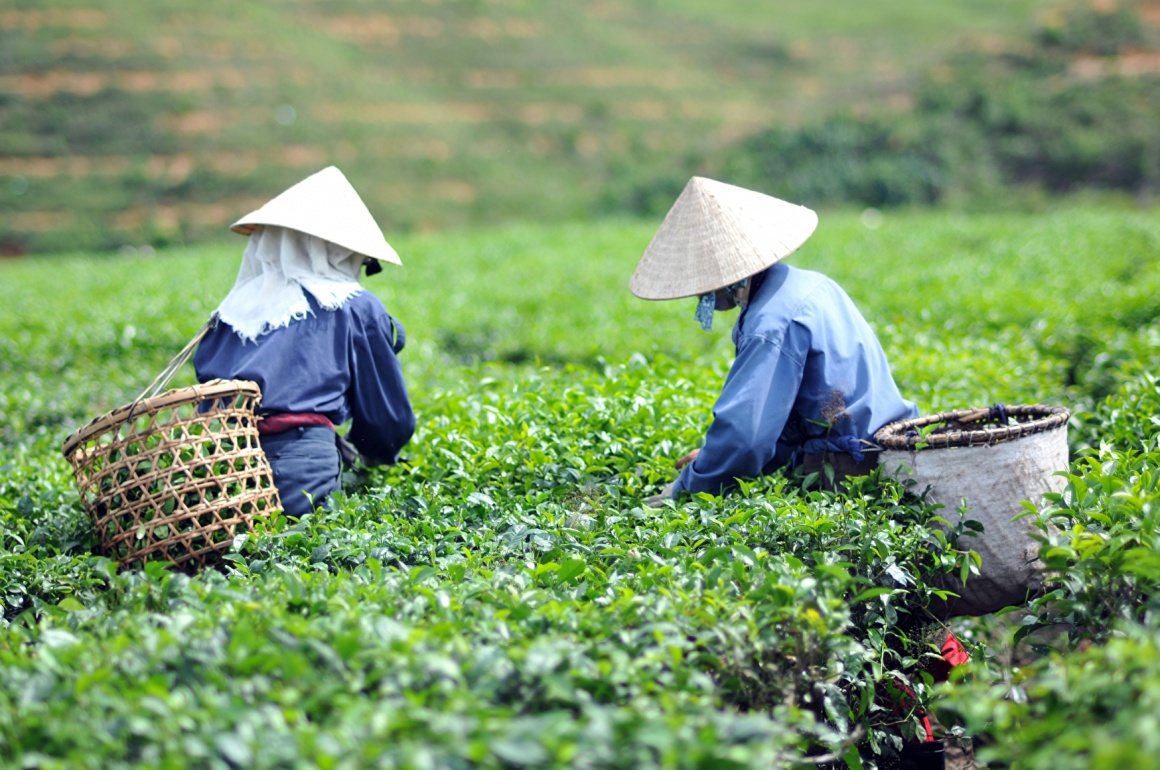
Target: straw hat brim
pixel 324 205
pixel 715 235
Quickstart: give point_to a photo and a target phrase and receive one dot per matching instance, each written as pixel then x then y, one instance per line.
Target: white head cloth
pixel 277 265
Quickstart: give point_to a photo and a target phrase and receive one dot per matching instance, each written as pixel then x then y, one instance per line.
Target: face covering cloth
pixel 277 266
pixel 707 304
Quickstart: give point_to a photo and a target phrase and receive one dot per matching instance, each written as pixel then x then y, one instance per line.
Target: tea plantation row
pixel 504 599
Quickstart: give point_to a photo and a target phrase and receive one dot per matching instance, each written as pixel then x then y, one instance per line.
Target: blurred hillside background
pixel 153 122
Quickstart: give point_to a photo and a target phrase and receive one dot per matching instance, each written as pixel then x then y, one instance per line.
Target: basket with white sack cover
pixel 992 459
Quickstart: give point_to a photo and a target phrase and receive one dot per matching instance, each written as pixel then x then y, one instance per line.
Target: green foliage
pixel 1091 709
pixel 502 598
pixel 985 128
pixel 842 159
pixel 1104 560
pixel 1026 120
pixel 1102 31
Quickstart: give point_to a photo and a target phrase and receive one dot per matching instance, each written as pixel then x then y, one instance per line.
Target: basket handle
pixel 178 361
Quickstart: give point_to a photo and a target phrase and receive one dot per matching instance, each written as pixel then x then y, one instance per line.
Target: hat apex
pixel 715 235
pixel 324 205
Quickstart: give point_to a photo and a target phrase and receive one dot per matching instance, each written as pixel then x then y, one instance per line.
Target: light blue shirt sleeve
pixel 749 416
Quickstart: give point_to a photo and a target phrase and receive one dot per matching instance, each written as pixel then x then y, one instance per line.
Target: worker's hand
pixel 657 501
pixel 687 459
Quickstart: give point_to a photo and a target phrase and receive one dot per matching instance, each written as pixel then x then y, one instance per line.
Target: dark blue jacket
pixel 339 363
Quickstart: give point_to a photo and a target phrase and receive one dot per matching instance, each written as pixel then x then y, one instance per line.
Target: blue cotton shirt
pixel 339 363
pixel 805 359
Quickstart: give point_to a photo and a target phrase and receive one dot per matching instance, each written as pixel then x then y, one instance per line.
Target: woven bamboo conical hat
pixel 715 235
pixel 324 205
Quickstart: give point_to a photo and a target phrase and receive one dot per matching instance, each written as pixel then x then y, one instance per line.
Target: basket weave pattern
pixel 970 427
pixel 175 476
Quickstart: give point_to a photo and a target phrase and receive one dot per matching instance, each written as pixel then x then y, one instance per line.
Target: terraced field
pixel 157 122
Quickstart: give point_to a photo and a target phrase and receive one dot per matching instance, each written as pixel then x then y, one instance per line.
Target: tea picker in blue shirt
pixel 322 349
pixel 810 379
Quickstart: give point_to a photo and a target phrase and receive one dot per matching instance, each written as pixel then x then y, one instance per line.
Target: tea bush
pixel 502 598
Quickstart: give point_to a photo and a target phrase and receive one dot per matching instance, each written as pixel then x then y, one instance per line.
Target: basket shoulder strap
pixel 162 380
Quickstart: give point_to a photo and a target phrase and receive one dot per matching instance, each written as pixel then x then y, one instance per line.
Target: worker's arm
pixel 748 418
pixel 383 421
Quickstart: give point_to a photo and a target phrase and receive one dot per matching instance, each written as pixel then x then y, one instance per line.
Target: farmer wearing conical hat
pixel 322 349
pixel 810 379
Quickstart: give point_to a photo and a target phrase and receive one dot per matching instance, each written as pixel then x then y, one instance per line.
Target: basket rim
pixel 170 398
pixel 1046 417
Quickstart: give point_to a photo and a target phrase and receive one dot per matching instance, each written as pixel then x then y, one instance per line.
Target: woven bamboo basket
pixel 175 476
pixel 985 463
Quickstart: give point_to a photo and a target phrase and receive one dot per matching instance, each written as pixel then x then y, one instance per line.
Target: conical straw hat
pixel 715 235
pixel 324 205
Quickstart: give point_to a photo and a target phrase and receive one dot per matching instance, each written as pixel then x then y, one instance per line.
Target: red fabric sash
pixel 284 421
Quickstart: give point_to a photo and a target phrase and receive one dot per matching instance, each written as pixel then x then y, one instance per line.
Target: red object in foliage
pixel 953 654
